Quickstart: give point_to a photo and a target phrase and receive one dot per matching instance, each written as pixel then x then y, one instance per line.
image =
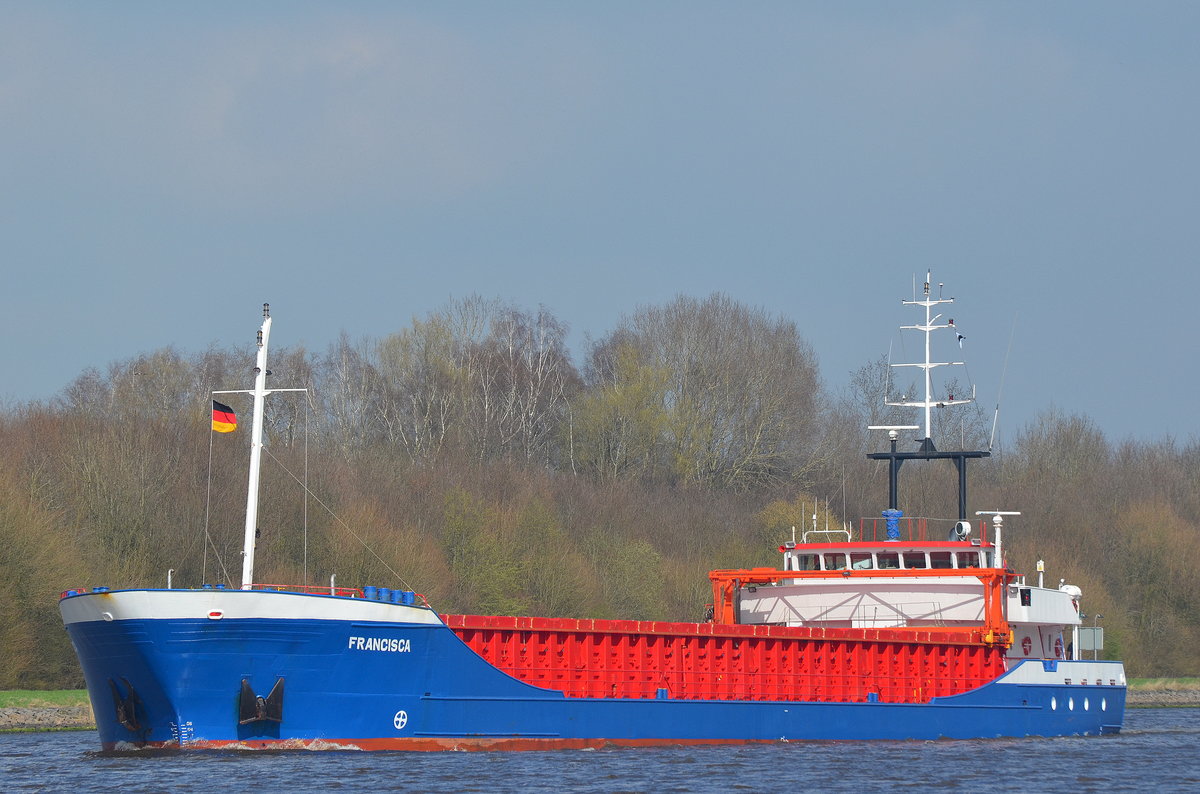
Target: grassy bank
pixel 23 710
pixel 37 699
pixel 1164 684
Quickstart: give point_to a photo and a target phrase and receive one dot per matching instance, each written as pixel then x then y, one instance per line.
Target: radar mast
pixel 928 328
pixel 926 450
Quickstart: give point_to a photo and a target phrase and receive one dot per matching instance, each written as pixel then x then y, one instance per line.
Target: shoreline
pixel 1151 698
pixel 79 718
pixel 47 718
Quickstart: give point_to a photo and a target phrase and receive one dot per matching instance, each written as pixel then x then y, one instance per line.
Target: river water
pixel 1158 750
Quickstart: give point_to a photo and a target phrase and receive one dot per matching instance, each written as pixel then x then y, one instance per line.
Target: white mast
pixel 260 393
pixel 927 366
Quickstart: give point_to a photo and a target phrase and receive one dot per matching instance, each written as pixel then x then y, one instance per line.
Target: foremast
pixel 259 393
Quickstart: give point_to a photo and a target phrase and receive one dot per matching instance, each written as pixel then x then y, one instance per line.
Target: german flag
pixel 224 419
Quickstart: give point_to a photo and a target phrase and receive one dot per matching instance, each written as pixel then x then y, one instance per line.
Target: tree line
pixel 469 456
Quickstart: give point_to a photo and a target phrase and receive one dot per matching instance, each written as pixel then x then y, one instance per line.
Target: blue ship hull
pixel 364 683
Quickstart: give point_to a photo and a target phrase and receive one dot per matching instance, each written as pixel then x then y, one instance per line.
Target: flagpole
pixel 260 392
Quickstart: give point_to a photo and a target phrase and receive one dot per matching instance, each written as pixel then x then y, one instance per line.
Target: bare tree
pixel 421 379
pixel 739 394
pixel 349 394
pixel 617 424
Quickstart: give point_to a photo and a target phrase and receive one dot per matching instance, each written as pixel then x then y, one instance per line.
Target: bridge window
pixel 968 559
pixel 888 560
pixel 940 559
pixel 835 561
pixel 914 559
pixel 808 562
pixel 860 560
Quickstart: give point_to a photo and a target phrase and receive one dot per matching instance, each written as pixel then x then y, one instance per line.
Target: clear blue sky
pixel 168 167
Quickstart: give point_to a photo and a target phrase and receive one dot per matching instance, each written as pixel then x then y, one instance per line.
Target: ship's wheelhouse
pixel 868 557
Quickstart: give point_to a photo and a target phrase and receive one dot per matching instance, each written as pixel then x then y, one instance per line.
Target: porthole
pixel 1070 704
pixel 1054 704
pixel 1104 704
pixel 1085 704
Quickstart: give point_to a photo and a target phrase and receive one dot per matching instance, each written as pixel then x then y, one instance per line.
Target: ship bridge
pixel 886 556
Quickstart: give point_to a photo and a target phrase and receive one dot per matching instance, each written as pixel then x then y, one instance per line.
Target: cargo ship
pixel 891 630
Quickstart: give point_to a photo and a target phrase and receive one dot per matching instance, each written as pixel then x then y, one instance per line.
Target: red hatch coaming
pixel 711 661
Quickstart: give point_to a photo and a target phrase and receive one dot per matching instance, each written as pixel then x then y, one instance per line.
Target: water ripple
pixel 1158 750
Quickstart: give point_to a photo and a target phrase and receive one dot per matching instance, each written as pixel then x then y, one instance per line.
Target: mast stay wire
pixel 338 519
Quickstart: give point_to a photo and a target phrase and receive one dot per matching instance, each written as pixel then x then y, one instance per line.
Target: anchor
pixel 126 705
pixel 255 708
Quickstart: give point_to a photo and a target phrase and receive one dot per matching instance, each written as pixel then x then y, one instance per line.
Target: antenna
pixel 887 375
pixel 843 494
pixel 997 526
pixel 999 391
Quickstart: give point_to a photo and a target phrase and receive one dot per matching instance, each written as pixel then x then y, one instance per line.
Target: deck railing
pixel 915 529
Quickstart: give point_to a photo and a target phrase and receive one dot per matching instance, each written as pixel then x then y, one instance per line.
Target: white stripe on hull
pixel 235 605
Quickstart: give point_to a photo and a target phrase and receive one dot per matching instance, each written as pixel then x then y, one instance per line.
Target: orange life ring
pixel 1058 647
pixel 1026 645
